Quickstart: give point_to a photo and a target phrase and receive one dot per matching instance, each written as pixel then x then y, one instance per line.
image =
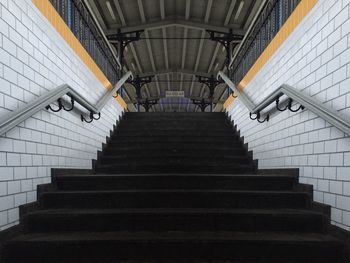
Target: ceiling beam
pixel 181 86
pixel 227 20
pixel 148 43
pixel 174 70
pixel 206 19
pixel 180 22
pixel 132 48
pixel 184 45
pixel 98 15
pixel 165 42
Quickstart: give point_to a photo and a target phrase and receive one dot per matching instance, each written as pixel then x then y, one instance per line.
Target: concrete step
pixel 175 159
pixel 174 115
pixel 173 124
pixel 200 168
pixel 249 220
pixel 168 198
pixel 166 150
pixel 175 142
pixel 175 132
pixel 175 246
pixel 174 181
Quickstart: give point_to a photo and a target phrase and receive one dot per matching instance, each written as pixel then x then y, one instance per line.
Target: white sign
pixel 175 93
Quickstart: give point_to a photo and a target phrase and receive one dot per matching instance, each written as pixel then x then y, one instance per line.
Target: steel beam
pixel 175 70
pixel 180 22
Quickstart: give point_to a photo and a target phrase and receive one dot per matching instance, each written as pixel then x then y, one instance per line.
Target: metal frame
pixel 211 82
pixel 122 40
pixel 326 113
pixel 270 18
pixel 138 83
pixel 82 23
pixel 14 118
pixel 215 54
pixel 226 40
pixel 148 103
pixel 178 21
pixel 202 103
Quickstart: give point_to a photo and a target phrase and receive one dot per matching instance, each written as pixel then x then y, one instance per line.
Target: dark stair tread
pixel 174 167
pixel 180 148
pixel 182 191
pixel 177 175
pixel 189 141
pixel 160 211
pixel 173 181
pixel 176 236
pixel 174 154
pixel 174 175
pixel 109 246
pixel 174 158
pixel 249 220
pixel 179 165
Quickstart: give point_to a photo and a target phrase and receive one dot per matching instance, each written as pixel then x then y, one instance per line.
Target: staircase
pixel 175 187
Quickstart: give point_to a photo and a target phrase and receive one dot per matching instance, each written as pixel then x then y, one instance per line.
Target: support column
pixel 138 82
pixel 211 82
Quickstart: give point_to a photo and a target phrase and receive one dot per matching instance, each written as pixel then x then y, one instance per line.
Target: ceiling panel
pixel 174 25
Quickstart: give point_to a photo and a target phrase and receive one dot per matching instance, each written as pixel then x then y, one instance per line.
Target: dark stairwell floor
pixel 175 187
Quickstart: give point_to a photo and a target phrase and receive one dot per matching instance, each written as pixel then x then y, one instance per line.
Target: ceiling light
pixel 239 10
pixel 110 10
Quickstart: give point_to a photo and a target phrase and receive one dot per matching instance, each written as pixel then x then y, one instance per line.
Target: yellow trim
pixel 292 22
pixel 48 10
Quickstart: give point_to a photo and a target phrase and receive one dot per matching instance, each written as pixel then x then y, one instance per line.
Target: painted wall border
pixel 300 12
pixel 49 11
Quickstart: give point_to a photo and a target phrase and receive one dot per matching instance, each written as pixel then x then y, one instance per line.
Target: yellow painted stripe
pixel 49 11
pixel 303 8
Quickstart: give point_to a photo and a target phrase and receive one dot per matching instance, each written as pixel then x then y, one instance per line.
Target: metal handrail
pixel 326 113
pixel 14 118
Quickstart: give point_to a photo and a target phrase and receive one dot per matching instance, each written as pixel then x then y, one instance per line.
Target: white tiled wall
pixel 34 59
pixel 316 60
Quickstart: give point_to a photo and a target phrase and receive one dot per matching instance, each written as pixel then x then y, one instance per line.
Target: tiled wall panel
pixel 316 60
pixel 34 59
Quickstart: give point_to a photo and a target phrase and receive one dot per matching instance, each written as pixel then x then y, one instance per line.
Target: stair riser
pixel 169 182
pixel 184 118
pixel 174 200
pixel 172 133
pixel 173 126
pixel 157 169
pixel 173 222
pixel 154 143
pixel 172 121
pixel 169 160
pixel 247 251
pixel 170 151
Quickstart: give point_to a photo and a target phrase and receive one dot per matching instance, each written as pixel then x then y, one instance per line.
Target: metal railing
pixel 14 118
pixel 269 20
pixel 82 23
pixel 326 113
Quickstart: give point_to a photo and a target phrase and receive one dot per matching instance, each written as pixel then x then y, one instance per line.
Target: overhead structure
pixel 211 82
pixel 175 40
